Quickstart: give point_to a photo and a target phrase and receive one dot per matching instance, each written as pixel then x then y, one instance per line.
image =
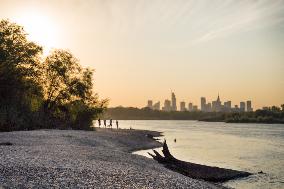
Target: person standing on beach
pixel 105 123
pixel 116 124
pixel 99 120
pixel 110 123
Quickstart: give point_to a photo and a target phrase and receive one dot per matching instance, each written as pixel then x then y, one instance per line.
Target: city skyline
pixel 205 106
pixel 140 49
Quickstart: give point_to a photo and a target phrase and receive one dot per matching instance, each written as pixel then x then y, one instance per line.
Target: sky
pixel 142 49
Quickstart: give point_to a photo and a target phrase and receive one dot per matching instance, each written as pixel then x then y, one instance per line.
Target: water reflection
pixel 247 147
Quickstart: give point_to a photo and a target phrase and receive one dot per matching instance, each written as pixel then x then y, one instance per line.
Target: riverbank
pixel 85 159
pixel 274 115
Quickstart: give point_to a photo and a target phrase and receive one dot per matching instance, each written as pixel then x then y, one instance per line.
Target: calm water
pixel 248 147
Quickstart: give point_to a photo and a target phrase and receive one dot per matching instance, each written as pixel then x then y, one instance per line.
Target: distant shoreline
pixel 221 121
pixel 245 121
pixel 259 116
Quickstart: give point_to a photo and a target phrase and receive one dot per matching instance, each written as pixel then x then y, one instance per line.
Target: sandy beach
pixel 85 159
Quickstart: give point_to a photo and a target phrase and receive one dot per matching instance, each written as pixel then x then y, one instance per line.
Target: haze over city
pixel 143 49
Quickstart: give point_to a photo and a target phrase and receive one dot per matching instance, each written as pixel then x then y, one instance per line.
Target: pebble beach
pixel 85 159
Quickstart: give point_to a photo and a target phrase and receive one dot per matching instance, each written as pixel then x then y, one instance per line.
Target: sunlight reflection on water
pixel 247 147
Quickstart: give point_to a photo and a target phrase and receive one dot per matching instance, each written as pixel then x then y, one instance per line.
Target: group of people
pixel 105 123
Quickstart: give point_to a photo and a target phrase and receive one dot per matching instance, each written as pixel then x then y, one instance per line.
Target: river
pixel 246 147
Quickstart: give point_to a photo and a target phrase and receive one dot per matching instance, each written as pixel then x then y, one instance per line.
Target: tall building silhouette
pixel 182 106
pixel 203 104
pixel 217 105
pixel 249 107
pixel 150 104
pixel 156 106
pixel 209 107
pixel 167 105
pixel 242 106
pixel 190 107
pixel 174 102
pixel 227 106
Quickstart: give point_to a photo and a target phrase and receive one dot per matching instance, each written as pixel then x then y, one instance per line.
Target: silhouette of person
pixel 105 123
pixel 110 123
pixel 175 140
pixel 116 124
pixel 99 120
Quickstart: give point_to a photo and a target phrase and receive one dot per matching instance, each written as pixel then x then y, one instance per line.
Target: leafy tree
pixel 61 75
pixel 19 65
pixel 68 90
pixel 35 93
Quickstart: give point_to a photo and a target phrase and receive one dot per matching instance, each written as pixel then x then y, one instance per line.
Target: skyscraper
pixel 203 104
pixel 182 106
pixel 174 102
pixel 227 106
pixel 167 105
pixel 195 108
pixel 242 106
pixel 209 107
pixel 249 108
pixel 217 105
pixel 150 104
pixel 156 106
pixel 190 106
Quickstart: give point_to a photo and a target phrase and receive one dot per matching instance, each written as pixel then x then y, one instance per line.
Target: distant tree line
pixel 37 92
pixel 270 115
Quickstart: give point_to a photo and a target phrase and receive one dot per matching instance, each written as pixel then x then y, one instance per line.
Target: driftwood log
pixel 196 171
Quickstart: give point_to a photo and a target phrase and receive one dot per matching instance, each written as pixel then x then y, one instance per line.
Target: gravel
pixel 85 159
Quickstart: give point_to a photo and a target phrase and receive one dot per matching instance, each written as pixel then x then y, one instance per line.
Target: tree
pixel 19 66
pixel 19 58
pixel 68 90
pixel 61 71
pixel 36 93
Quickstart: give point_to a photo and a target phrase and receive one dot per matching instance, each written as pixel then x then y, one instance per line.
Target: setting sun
pixel 40 29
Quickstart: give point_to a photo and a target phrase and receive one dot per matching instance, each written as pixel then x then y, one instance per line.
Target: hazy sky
pixel 143 49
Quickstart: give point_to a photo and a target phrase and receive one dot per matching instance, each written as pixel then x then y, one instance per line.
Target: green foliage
pixel 35 93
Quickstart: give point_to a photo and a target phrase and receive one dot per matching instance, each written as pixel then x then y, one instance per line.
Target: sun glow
pixel 40 29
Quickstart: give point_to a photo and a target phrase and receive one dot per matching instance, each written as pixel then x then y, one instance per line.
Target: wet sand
pixel 85 159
